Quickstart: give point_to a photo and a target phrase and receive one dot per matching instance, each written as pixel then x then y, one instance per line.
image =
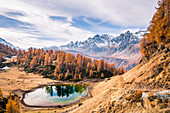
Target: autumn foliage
pixel 1 94
pixel 64 66
pixel 5 50
pixel 10 104
pixel 13 105
pixel 159 33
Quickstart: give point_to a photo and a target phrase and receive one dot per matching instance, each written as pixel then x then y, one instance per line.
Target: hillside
pixel 123 93
pixel 6 51
pixel 127 64
pixel 153 73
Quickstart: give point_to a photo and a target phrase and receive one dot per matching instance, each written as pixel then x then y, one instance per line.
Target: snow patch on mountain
pixel 105 43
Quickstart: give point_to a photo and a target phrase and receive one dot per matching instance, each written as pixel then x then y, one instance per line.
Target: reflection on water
pixel 64 89
pixel 53 95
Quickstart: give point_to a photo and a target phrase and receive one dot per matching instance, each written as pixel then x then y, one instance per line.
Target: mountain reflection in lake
pixel 53 95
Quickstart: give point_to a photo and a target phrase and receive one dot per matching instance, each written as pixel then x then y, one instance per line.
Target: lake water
pixel 54 95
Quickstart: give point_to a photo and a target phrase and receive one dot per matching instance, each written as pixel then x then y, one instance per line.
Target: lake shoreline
pixel 19 82
pixel 55 106
pixel 22 94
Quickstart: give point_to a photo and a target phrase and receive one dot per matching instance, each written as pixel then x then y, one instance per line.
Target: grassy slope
pixel 144 77
pixel 150 74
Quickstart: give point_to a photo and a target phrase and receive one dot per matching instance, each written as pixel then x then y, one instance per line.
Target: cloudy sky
pixel 41 23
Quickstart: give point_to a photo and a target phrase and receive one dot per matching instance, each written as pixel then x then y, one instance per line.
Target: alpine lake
pixel 55 95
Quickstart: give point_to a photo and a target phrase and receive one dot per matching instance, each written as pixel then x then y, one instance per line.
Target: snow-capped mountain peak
pixel 96 41
pixel 99 43
pixel 125 47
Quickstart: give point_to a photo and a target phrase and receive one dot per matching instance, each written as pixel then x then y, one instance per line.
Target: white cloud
pixel 25 39
pixel 120 12
pixel 39 18
pixel 126 13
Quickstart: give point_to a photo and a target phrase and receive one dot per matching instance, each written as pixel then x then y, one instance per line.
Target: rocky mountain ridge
pixel 104 43
pixel 123 50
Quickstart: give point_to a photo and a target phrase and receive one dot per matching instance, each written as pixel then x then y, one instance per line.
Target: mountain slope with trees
pixel 6 51
pixel 62 66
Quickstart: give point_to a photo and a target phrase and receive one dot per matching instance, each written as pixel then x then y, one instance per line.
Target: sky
pixel 45 23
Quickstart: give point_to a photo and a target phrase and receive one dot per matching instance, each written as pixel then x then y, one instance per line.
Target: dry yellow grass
pixel 14 79
pixel 106 92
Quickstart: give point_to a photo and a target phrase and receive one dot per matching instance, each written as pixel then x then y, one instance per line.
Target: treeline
pixel 6 50
pixel 64 66
pixel 159 31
